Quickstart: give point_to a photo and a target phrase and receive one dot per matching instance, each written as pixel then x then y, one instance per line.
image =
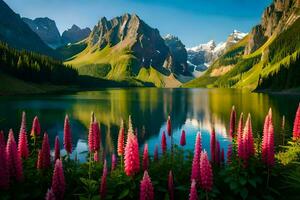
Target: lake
pixel 190 109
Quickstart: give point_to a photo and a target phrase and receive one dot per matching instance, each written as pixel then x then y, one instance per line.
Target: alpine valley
pixel 125 51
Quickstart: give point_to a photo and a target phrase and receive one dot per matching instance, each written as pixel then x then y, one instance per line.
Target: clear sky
pixel 193 21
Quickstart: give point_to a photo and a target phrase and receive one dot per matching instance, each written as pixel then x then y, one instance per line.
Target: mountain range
pixel 127 49
pixel 267 58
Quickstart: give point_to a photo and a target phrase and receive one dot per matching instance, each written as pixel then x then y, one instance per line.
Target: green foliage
pixel 35 68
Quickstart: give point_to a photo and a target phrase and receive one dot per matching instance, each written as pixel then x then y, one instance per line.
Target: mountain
pixel 126 48
pixel 47 30
pixel 203 55
pixel 178 52
pixel 17 33
pixel 75 34
pixel 267 58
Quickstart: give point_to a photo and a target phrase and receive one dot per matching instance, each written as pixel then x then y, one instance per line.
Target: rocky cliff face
pixel 75 34
pixel 46 29
pixel 132 33
pixel 276 18
pixel 178 52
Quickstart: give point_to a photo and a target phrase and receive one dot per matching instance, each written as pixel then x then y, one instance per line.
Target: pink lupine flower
pixel 222 156
pixel 131 158
pixel 103 181
pixel 96 156
pixel 163 143
pixel 113 162
pixel 146 188
pixel 91 137
pixel 23 144
pixel 50 195
pixel 2 139
pixel 58 180
pixel 240 146
pixel 14 161
pixel 169 126
pixel 196 160
pixel 67 135
pixel 145 158
pixel 56 149
pixel 193 192
pixel 45 152
pixel 268 141
pixel 296 129
pixel 171 185
pixel 248 141
pixel 182 138
pixel 36 128
pixel 97 135
pixel 4 173
pixel 121 139
pixel 155 157
pixel 232 122
pixel 39 160
pixel 229 154
pixel 205 172
pixel 213 145
pixel 218 153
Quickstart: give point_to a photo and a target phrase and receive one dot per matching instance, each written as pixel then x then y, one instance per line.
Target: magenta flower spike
pixel 103 181
pixel 23 144
pixel 4 173
pixel 193 192
pixel 121 137
pixel 205 172
pixel 169 126
pixel 213 146
pixel 96 156
pixel 171 185
pixel 164 143
pixel 296 129
pixel 56 149
pixel 113 162
pixel 45 152
pixel 155 157
pixel 232 122
pixel 39 160
pixel 268 141
pixel 196 160
pixel 67 136
pixel 14 161
pixel 58 180
pixel 50 195
pixel 91 137
pixel 36 128
pixel 218 153
pixel 182 138
pixel 146 188
pixel 97 135
pixel 240 145
pixel 248 141
pixel 145 158
pixel 131 158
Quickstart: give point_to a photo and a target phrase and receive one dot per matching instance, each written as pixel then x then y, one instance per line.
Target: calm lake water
pixel 191 109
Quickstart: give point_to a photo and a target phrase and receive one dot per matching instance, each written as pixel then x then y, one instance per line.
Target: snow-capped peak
pixel 209 46
pixel 238 35
pixel 169 36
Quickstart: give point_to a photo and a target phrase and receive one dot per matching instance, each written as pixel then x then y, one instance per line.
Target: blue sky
pixel 193 21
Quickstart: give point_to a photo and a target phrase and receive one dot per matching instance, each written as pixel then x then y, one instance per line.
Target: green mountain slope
pixel 125 48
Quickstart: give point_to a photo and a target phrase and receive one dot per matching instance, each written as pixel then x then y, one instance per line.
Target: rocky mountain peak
pixel 46 29
pixel 75 34
pixel 276 18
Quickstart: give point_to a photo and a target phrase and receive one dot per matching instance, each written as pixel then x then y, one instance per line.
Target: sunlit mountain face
pixel 195 110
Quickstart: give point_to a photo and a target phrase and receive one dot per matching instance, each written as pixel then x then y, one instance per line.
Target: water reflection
pixel 191 109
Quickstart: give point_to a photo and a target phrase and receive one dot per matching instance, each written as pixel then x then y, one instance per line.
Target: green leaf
pixel 233 185
pixel 244 193
pixel 123 194
pixel 252 182
pixel 243 181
